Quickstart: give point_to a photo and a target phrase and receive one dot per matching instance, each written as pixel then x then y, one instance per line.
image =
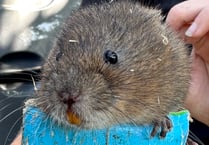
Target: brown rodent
pixel 111 64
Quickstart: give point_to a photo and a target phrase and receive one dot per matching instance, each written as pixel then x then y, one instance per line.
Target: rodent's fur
pixel 150 79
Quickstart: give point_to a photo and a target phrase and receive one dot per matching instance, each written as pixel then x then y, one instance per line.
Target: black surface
pixel 12 97
pixel 16 85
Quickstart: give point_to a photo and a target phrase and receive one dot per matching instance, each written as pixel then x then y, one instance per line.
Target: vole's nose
pixel 68 98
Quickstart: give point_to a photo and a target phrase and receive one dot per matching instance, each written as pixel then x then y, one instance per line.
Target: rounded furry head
pixel 114 63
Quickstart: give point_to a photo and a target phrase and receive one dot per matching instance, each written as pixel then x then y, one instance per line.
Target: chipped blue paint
pixel 40 130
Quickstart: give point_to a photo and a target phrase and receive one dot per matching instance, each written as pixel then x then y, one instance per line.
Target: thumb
pixel 183 14
pixel 200 25
pixel 192 14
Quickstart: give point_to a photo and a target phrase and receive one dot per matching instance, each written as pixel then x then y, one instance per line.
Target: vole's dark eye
pixel 110 57
pixel 59 55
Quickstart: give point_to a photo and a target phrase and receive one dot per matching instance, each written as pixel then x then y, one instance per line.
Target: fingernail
pixel 190 31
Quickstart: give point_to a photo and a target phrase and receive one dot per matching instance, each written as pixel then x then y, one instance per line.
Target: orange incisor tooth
pixel 73 118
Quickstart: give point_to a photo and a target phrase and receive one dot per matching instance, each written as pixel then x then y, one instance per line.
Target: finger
pixel 17 140
pixel 200 25
pixel 198 90
pixel 186 39
pixel 183 13
pixel 202 47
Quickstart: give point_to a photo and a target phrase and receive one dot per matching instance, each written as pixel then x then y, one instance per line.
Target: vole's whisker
pixel 34 83
pixel 12 127
pixel 3 100
pixel 195 138
pixel 1 109
pixel 12 112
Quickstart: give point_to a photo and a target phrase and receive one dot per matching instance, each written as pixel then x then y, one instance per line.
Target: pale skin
pixel 17 140
pixel 190 19
pixel 180 18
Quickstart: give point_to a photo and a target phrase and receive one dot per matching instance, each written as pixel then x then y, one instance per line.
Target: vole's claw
pixel 165 124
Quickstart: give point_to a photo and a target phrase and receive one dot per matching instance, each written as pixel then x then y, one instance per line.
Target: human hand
pixel 190 19
pixel 17 140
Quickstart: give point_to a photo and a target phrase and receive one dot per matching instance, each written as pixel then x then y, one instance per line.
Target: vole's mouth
pixel 73 118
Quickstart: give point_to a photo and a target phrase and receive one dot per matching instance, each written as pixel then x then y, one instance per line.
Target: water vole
pixel 111 64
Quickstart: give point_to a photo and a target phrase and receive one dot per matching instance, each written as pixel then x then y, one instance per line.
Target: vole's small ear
pixel 110 57
pixel 59 55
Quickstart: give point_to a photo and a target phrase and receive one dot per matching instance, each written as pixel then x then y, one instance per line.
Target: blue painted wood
pixel 40 130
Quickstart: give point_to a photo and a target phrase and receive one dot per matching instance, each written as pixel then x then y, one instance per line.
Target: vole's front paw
pixel 164 124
